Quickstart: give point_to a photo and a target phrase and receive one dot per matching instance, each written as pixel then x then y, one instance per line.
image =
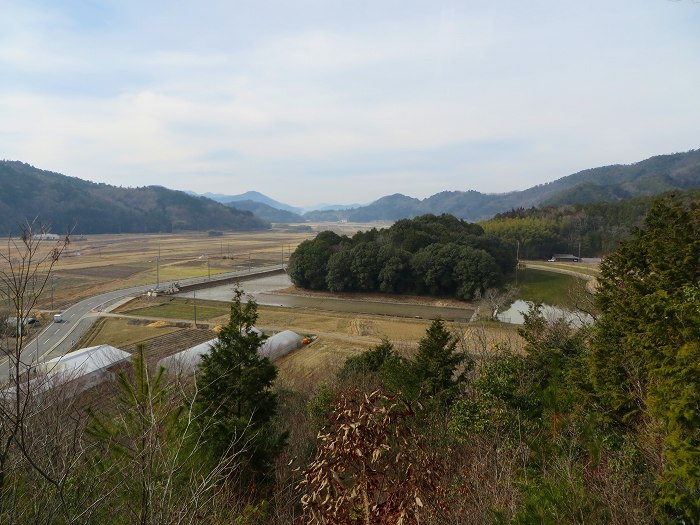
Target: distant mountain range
pixel 254 196
pixel 648 177
pixel 27 192
pixel 266 212
pixel 67 203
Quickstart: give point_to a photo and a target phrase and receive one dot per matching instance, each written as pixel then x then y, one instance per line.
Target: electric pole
pixel 194 303
pixel 517 263
pixel 158 269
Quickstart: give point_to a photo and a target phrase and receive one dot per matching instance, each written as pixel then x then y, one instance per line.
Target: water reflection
pixel 515 314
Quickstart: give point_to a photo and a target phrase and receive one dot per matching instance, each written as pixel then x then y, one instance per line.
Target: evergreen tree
pixel 437 362
pixel 645 357
pixel 235 395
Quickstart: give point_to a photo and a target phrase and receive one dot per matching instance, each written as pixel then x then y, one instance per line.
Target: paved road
pixel 58 338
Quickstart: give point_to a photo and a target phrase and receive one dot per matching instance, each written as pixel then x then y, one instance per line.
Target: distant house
pixel 46 237
pixel 563 257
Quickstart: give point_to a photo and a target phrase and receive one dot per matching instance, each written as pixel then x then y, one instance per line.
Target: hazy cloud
pixel 308 101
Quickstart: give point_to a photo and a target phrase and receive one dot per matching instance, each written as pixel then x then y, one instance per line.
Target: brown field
pixel 122 332
pixel 100 263
pixel 338 335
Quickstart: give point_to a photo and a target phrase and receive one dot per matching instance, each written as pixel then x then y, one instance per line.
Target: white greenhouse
pixel 274 347
pixel 85 368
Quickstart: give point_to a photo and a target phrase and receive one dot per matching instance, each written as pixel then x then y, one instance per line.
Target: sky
pixel 344 102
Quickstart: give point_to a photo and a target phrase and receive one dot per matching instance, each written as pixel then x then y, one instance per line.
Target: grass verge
pixel 541 286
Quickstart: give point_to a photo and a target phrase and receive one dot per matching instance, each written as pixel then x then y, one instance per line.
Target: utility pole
pixel 208 270
pixel 194 302
pixel 158 269
pixel 53 287
pixel 579 251
pixel 250 267
pixel 517 263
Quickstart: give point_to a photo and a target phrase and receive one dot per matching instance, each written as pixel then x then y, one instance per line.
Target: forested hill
pixel 65 203
pixel 594 229
pixel 265 211
pixel 678 171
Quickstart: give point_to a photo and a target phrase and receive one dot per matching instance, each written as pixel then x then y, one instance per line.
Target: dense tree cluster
pixel 598 228
pixel 437 255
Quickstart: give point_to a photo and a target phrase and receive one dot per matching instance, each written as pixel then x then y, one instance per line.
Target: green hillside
pixel 678 171
pixel 69 203
pixel 265 211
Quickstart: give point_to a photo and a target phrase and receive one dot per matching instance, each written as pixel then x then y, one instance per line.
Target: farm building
pixel 274 347
pixel 186 362
pixel 280 345
pixel 76 372
pixel 85 368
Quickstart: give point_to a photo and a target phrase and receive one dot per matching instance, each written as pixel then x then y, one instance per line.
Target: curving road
pixel 58 338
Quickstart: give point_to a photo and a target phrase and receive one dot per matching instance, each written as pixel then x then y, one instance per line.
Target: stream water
pixel 514 314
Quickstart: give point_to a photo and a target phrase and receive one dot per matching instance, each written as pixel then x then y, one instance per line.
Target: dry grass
pixel 339 335
pixel 101 263
pixel 122 332
pixel 342 335
pixel 315 363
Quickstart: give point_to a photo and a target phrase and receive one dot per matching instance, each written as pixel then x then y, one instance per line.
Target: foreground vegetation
pixel 593 425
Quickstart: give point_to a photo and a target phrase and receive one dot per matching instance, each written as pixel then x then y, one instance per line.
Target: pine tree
pixel 646 353
pixel 437 362
pixel 235 394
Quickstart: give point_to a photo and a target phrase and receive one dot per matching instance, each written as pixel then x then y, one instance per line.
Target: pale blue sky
pixel 310 101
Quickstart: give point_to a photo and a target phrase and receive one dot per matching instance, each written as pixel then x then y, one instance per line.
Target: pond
pixel 514 314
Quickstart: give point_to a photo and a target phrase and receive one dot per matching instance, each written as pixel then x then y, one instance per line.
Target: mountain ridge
pixel 651 176
pixel 72 204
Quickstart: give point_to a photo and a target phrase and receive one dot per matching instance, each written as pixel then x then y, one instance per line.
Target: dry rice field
pixel 337 336
pixel 100 263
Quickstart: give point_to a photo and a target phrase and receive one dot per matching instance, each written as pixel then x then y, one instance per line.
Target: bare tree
pixel 25 269
pixel 495 299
